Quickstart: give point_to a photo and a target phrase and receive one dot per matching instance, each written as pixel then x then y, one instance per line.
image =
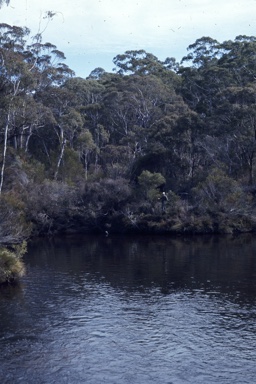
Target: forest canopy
pixel 90 154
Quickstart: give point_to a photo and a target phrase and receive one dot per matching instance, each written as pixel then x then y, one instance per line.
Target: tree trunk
pixel 60 158
pixel 4 152
pixel 28 138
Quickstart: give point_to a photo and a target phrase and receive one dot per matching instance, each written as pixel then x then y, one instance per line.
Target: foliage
pixel 11 265
pixel 149 182
pixel 220 193
pixel 82 153
pixel 14 226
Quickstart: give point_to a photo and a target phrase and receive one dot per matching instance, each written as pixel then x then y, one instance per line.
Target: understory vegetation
pixel 95 154
pixel 11 264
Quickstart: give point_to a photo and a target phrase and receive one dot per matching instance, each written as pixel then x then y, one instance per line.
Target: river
pixel 132 309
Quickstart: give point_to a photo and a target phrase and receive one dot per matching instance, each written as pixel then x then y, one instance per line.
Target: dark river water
pixel 136 310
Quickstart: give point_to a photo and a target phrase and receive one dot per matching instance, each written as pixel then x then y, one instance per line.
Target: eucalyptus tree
pixel 219 85
pixel 213 66
pixel 86 147
pixel 174 146
pixel 144 115
pixel 89 100
pixel 137 62
pixel 50 73
pixel 148 111
pixel 235 130
pixel 201 77
pixel 133 104
pixel 15 79
pixel 96 74
pixel 142 63
pixel 26 71
pixel 66 124
pixel 239 58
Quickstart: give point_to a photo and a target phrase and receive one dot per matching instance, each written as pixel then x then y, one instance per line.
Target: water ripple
pixel 70 325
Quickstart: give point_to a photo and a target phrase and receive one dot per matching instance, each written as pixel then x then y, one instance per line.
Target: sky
pixel 92 32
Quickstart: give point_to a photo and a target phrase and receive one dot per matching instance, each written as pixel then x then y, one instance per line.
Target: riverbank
pixel 53 209
pixel 11 264
pixel 169 223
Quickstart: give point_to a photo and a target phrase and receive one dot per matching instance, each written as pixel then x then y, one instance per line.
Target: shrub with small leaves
pixel 11 265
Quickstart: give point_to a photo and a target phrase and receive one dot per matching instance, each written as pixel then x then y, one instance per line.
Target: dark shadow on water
pixel 91 308
pixel 221 264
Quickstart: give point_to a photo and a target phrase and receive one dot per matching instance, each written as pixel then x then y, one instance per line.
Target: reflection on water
pixel 132 310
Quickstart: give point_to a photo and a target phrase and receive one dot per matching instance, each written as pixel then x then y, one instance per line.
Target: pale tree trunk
pixel 27 139
pixel 60 158
pixel 15 91
pixel 4 152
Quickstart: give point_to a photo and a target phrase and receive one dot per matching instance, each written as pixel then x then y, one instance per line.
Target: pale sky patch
pixel 92 32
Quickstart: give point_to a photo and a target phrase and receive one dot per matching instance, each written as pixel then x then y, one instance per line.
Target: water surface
pixel 132 310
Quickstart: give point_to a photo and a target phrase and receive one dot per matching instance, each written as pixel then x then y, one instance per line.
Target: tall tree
pixel 235 128
pixel 26 70
pixel 142 63
pixel 14 79
pixel 89 95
